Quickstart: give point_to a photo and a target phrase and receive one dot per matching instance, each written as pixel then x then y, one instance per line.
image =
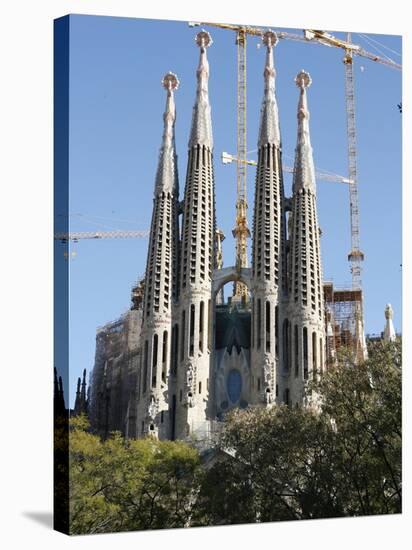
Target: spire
pixel 268 248
pixel 201 132
pixel 59 406
pixel 56 384
pixel 389 334
pixel 197 262
pixel 306 306
pixel 77 402
pixel 61 393
pixel 269 118
pixel 83 391
pixel 166 177
pixel 304 171
pixel 160 283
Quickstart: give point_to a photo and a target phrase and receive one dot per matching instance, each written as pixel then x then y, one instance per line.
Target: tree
pixel 342 458
pixel 363 403
pixel 271 471
pixel 128 485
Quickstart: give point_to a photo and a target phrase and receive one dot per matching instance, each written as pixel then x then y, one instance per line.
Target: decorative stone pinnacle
pixel 303 79
pixel 203 39
pixel 270 39
pixel 170 81
pixel 388 312
pixel 201 131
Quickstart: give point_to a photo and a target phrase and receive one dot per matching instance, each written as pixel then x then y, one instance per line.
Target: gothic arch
pixel 230 274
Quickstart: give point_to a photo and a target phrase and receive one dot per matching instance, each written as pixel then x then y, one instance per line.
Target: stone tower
pixel 80 404
pixel 304 324
pixel 268 243
pixel 160 289
pixel 193 323
pixel 389 334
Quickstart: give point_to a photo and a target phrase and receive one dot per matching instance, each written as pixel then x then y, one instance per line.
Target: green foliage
pixel 271 471
pixel 363 404
pixel 342 458
pixel 339 458
pixel 128 485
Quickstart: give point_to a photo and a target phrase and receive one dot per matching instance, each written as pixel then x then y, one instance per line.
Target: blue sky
pixel 116 107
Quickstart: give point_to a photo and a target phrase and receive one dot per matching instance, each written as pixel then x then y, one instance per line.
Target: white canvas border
pixel 26 228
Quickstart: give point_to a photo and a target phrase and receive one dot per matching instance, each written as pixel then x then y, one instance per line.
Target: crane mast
pixel 241 230
pixel 355 256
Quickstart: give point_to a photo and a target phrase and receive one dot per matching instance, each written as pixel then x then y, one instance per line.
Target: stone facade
pixel 190 383
pixel 160 284
pixel 268 253
pixel 303 324
pixel 196 357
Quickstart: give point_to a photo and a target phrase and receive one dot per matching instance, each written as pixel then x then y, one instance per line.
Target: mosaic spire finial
pixel 201 132
pixel 166 178
pixel 269 117
pixel 304 170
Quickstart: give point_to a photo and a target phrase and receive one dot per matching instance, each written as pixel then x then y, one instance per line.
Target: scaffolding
pixel 344 321
pixel 114 373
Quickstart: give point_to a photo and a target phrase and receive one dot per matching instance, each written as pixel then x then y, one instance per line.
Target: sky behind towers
pixel 116 107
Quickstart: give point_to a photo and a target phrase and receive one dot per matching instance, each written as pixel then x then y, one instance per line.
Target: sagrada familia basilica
pixel 190 356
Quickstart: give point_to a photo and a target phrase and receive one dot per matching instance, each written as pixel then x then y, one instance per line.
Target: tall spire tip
pixel 303 79
pixel 270 39
pixel 203 39
pixel 170 81
pixel 388 311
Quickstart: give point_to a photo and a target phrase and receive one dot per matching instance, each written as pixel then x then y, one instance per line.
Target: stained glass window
pixel 234 385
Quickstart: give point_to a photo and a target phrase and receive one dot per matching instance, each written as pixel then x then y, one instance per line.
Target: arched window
pixel 182 336
pixel 259 323
pixel 285 343
pixel 173 418
pixel 164 356
pixel 234 385
pixel 252 328
pixel 209 332
pixel 145 361
pixel 314 354
pixel 201 324
pixel 305 353
pixel 267 324
pixel 321 355
pixel 192 330
pixel 296 346
pixel 154 359
pixel 175 348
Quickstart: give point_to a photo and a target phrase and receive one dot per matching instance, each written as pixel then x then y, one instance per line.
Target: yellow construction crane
pixel 355 255
pixel 241 232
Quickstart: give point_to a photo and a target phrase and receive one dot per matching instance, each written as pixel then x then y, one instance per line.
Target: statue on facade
pixel 153 405
pixel 268 396
pixel 190 375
